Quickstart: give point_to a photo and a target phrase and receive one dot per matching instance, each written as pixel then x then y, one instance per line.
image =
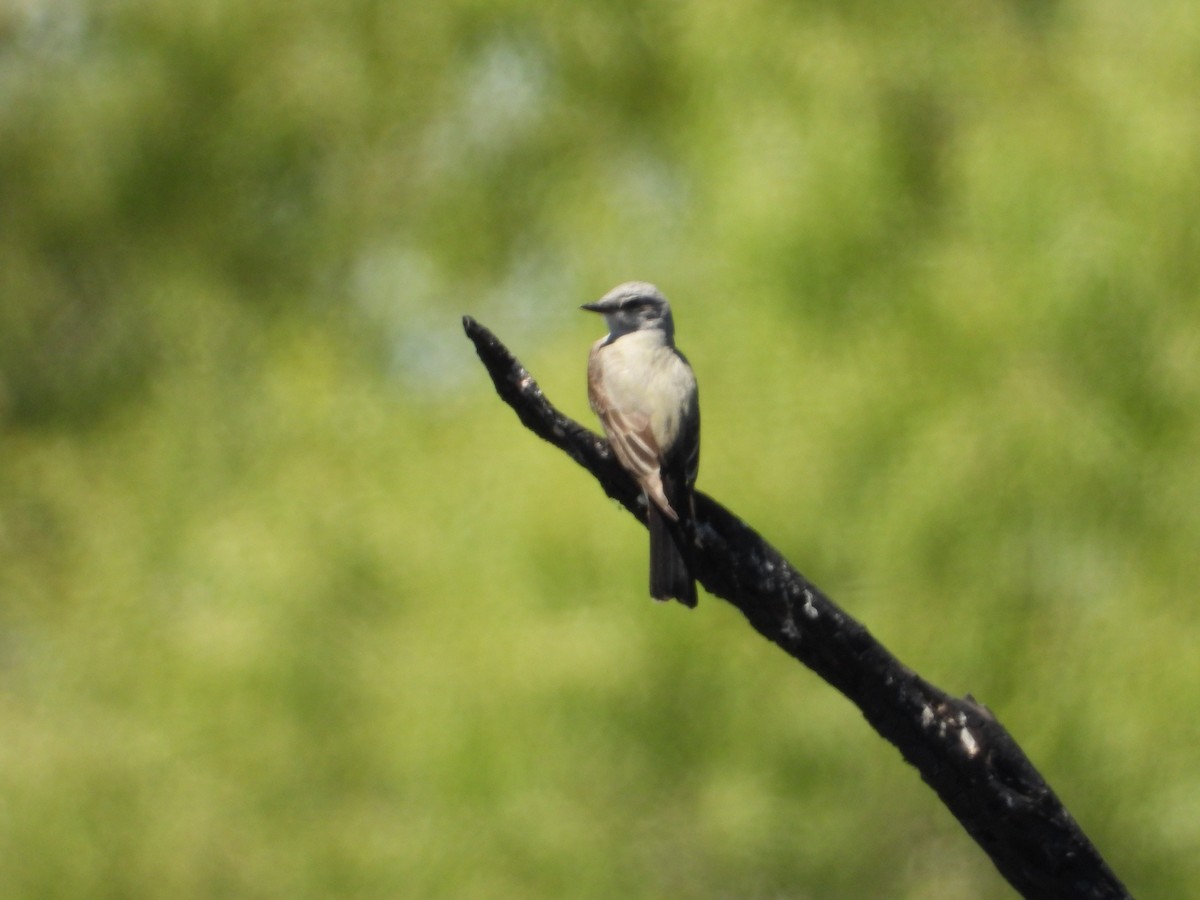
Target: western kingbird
pixel 644 392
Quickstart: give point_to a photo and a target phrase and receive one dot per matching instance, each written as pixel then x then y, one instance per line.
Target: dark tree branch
pixel 957 744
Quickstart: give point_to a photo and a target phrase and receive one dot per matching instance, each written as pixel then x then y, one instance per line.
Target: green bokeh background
pixel 291 606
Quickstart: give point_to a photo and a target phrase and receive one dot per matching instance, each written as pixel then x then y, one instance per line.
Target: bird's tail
pixel 670 574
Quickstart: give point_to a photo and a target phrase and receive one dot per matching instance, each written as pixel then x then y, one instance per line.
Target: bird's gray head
pixel 634 306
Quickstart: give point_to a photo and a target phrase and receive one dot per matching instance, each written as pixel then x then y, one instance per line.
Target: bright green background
pixel 291 606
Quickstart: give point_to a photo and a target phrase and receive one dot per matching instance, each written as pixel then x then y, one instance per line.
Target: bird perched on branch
pixel 644 392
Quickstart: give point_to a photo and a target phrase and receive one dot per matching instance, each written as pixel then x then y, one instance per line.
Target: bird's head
pixel 634 306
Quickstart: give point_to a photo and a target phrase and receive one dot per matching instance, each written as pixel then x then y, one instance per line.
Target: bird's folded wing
pixel 632 440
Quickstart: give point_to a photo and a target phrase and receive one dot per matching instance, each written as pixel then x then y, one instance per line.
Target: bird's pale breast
pixel 644 375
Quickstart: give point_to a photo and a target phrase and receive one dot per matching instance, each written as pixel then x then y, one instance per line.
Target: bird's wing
pixel 681 461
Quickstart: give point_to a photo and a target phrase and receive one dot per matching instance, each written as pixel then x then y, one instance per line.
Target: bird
pixel 644 392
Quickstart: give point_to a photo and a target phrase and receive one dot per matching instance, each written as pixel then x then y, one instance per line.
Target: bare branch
pixel 957 744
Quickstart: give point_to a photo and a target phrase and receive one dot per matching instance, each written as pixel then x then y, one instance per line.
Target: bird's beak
pixel 593 307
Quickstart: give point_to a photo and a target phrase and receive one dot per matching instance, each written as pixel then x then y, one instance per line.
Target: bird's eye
pixel 634 304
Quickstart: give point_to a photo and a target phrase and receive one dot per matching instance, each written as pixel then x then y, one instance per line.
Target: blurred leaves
pixel 289 605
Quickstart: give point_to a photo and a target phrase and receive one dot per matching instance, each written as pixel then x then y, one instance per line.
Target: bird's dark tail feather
pixel 670 575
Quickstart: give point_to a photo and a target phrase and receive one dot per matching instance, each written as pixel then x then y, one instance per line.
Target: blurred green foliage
pixel 291 606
